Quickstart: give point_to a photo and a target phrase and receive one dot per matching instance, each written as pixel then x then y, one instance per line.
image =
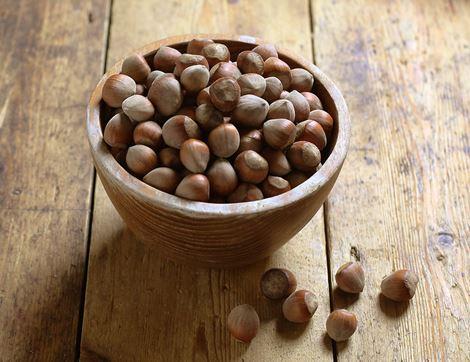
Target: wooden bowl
pixel 219 235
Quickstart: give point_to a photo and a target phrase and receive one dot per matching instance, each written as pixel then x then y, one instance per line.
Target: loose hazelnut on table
pixel 279 133
pixel 251 140
pixel 166 95
pixel 208 117
pixel 224 69
pixel 275 67
pixel 148 133
pixel 252 83
pixel 117 88
pixel 222 177
pixel 313 101
pixel 273 90
pixel 178 129
pixel 194 155
pixel 186 60
pixel 274 185
pixel 300 306
pixel 250 62
pixel 194 78
pixel 194 187
pixel 400 286
pixel 301 106
pixel 324 119
pixel 304 156
pixel 251 167
pixel 118 131
pixel 341 325
pixel 165 59
pixel 295 178
pixel 224 140
pixel 136 67
pixel 311 131
pixel 266 51
pixel 350 277
pixel 195 46
pixel 277 161
pixel 138 108
pixel 243 323
pixel 170 157
pixel 282 108
pixel 163 178
pixel 277 283
pixel 250 111
pixel 215 53
pixel 301 80
pixel 245 192
pixel 141 159
pixel 224 94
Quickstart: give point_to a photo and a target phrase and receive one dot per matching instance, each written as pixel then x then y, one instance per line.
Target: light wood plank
pixel 51 54
pixel 402 200
pixel 141 307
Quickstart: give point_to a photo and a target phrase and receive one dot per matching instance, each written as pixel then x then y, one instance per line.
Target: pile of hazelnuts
pixel 206 128
pixel 299 305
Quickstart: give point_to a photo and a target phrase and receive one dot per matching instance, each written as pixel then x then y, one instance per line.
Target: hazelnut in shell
pixel 266 51
pixel 186 60
pixel 216 53
pixel 170 157
pixel 118 131
pixel 300 306
pixel 295 178
pixel 224 140
pixel 179 129
pixel 203 97
pixel 284 95
pixel 194 78
pixel 141 159
pixel 224 94
pixel 208 117
pixel 278 283
pixel 252 83
pixel 273 90
pixel 301 80
pixel 152 76
pixel 136 67
pixel 251 140
pixel 311 131
pixel 222 177
pixel 148 133
pixel 274 185
pixel 166 95
pixel 313 101
pixel 350 277
pixel 250 111
pixel 279 133
pixel 304 156
pixel 165 59
pixel 188 111
pixel 275 67
pixel 277 160
pixel 282 108
pixel 140 89
pixel 301 106
pixel 341 325
pixel 245 192
pixel 243 323
pixel 224 69
pixel 400 286
pixel 324 119
pixel 117 88
pixel 195 45
pixel 163 178
pixel 250 62
pixel 194 155
pixel 138 108
pixel 251 167
pixel 194 187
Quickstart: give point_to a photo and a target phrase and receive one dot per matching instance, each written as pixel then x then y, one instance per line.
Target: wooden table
pixel 73 280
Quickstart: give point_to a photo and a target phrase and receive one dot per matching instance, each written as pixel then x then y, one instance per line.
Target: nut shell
pixel 324 119
pixel 152 76
pixel 223 70
pixel 194 78
pixel 165 59
pixel 266 51
pixel 136 67
pixel 252 83
pixel 243 323
pixel 170 157
pixel 194 187
pixel 301 80
pixel 282 108
pixel 251 140
pixel 301 106
pixel 251 167
pixel 178 129
pixel 163 178
pixel 118 131
pixel 275 67
pixel 304 156
pixel 208 117
pixel 245 192
pixel 279 133
pixel 195 45
pixel 341 325
pixel 166 95
pixel 117 88
pixel 216 53
pixel 224 140
pixel 138 108
pixel 274 185
pixel 148 133
pixel 222 178
pixel 203 97
pixel 350 277
pixel 277 160
pixel 186 60
pixel 141 159
pixel 273 90
pixel 250 111
pixel 313 101
pixel 250 62
pixel 277 283
pixel 300 306
pixel 400 286
pixel 194 155
pixel 312 131
pixel 295 178
pixel 224 94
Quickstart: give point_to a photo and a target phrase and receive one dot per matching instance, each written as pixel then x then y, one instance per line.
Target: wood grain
pixel 51 54
pixel 139 306
pixel 402 199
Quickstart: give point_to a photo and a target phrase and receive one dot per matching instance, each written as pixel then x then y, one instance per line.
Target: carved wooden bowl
pixel 219 235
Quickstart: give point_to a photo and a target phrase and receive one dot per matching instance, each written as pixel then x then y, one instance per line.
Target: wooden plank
pixel 51 54
pixel 402 200
pixel 141 307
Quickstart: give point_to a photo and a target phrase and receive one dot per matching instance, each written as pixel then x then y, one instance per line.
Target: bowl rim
pixel 104 160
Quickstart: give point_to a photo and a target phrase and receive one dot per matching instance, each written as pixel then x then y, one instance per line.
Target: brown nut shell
pixel 224 70
pixel 141 159
pixel 222 177
pixel 170 157
pixel 194 78
pixel 251 140
pixel 266 51
pixel 245 192
pixel 194 155
pixel 350 277
pixel 250 62
pixel 138 108
pixel 152 76
pixel 275 67
pixel 118 131
pixel 324 119
pixel 251 167
pixel 166 95
pixel 136 67
pixel 274 185
pixel 216 53
pixel 304 156
pixel 300 306
pixel 252 83
pixel 282 108
pixel 224 94
pixel 186 60
pixel 277 160
pixel 178 129
pixel 313 101
pixel 188 111
pixel 195 45
pixel 243 323
pixel 295 178
pixel 148 133
pixel 117 88
pixel 301 106
pixel 165 59
pixel 301 80
pixel 400 286
pixel 250 111
pixel 311 131
pixel 341 325
pixel 278 283
pixel 273 90
pixel 279 133
pixel 203 97
pixel 194 187
pixel 163 178
pixel 224 140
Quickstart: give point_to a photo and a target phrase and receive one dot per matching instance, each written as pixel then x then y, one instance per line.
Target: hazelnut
pixel 194 187
pixel 350 277
pixel 117 88
pixel 178 129
pixel 152 76
pixel 222 177
pixel 166 95
pixel 313 132
pixel 302 80
pixel 300 306
pixel 250 111
pixel 140 89
pixel 195 46
pixel 225 93
pixel 273 89
pixel 304 156
pixel 251 140
pixel 324 119
pixel 252 83
pixel 136 67
pixel 194 78
pixel 266 51
pixel 250 62
pixel 302 109
pixel 203 97
pixel 216 53
pixel 341 325
pixel 138 108
pixel 208 117
pixel 187 111
pixel 224 140
pixel 251 167
pixel 170 157
pixel 148 133
pixel 141 159
pixel 186 60
pixel 400 286
pixel 165 59
pixel 295 178
pixel 281 108
pixel 224 70
pixel 274 185
pixel 118 131
pixel 275 67
pixel 277 161
pixel 163 178
pixel 277 283
pixel 245 192
pixel 279 133
pixel 284 95
pixel 194 155
pixel 243 323
pixel 313 101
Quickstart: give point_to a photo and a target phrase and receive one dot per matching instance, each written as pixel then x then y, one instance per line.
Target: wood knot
pixel 445 238
pixel 355 253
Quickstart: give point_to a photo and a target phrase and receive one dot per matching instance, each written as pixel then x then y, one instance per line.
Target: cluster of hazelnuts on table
pixel 205 128
pixel 299 306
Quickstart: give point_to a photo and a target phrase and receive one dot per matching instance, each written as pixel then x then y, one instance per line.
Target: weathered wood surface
pixel 141 307
pixel 51 56
pixel 402 199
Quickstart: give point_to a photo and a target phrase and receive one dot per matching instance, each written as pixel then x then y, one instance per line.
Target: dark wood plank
pixel 51 55
pixel 402 200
